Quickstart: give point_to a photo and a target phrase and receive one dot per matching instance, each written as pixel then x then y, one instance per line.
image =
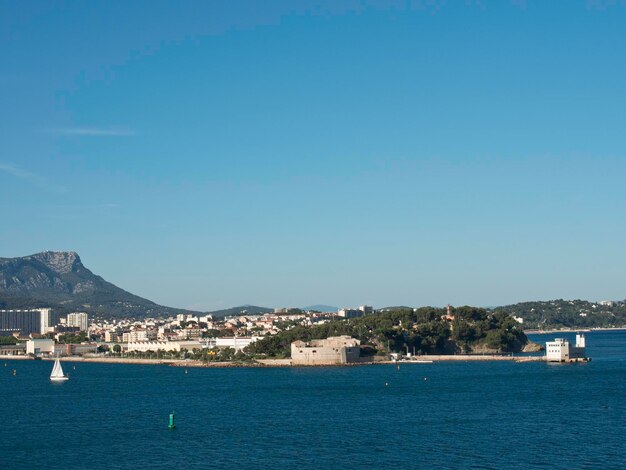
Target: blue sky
pixel 210 154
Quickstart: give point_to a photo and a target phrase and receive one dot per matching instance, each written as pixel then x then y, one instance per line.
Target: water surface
pixel 446 415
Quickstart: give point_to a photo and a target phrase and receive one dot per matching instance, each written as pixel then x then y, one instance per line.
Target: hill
pixel 559 313
pixel 424 330
pixel 320 308
pixel 58 279
pixel 241 310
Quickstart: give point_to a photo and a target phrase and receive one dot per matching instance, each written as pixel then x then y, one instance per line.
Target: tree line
pixel 425 330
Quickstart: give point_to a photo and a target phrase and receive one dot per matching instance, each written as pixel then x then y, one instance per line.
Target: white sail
pixel 57 371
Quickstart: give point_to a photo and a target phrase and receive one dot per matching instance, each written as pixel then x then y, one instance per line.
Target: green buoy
pixel 171 425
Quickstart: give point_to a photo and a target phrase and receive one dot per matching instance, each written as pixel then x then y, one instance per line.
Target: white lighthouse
pixel 580 341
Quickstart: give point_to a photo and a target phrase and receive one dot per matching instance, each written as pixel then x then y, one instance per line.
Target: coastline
pixel 574 330
pixel 270 363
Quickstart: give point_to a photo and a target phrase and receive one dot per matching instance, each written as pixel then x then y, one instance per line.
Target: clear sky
pixel 209 154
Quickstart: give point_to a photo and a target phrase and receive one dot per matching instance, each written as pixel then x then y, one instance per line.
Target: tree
pixel 8 340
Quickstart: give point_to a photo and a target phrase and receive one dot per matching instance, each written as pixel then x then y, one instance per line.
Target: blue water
pixel 468 415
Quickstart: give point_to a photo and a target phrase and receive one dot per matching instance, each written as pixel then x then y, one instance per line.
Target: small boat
pixel 57 374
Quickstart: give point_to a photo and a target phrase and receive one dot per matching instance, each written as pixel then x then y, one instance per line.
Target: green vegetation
pixel 73 338
pixel 555 314
pixel 205 355
pixel 213 333
pixel 8 340
pixel 424 330
pixel 241 310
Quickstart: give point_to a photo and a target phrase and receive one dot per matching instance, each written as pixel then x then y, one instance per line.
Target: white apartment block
pixel 78 320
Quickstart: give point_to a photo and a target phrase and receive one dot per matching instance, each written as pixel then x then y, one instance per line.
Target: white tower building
pixel 78 320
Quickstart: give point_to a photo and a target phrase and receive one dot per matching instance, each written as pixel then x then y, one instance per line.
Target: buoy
pixel 74 367
pixel 386 384
pixel 186 371
pixel 171 425
pixel 14 372
pixel 425 378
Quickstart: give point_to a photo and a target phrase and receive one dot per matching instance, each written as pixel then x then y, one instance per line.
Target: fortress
pixel 334 350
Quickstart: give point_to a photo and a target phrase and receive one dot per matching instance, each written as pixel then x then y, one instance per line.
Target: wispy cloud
pixel 93 132
pixel 32 178
pixel 83 207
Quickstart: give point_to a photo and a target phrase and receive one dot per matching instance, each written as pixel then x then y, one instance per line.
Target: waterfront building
pixel 237 342
pixel 208 343
pixel 78 320
pixel 334 350
pixel 26 321
pixel 18 349
pixel 38 347
pixel 169 346
pixel 74 349
pixel 560 350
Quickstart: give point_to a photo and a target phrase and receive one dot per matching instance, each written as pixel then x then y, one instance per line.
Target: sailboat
pixel 57 374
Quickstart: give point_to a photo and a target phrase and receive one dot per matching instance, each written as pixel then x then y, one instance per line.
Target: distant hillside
pixel 59 279
pixel 567 314
pixel 320 308
pixel 241 310
pixel 398 307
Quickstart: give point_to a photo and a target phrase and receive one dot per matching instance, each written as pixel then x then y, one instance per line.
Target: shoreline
pixel 573 330
pixel 282 363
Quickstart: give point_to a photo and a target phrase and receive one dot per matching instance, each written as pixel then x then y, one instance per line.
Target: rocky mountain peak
pixel 61 262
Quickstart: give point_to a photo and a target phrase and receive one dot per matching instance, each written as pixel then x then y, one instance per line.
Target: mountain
pixel 241 310
pixel 320 308
pixel 58 279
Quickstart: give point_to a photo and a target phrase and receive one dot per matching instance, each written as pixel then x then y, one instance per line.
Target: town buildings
pixel 183 332
pixel 355 312
pixel 26 321
pixel 168 346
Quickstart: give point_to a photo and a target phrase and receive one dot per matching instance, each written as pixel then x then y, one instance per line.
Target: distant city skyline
pixel 209 155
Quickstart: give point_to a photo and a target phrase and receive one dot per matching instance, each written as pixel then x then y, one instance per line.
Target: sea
pixel 487 415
